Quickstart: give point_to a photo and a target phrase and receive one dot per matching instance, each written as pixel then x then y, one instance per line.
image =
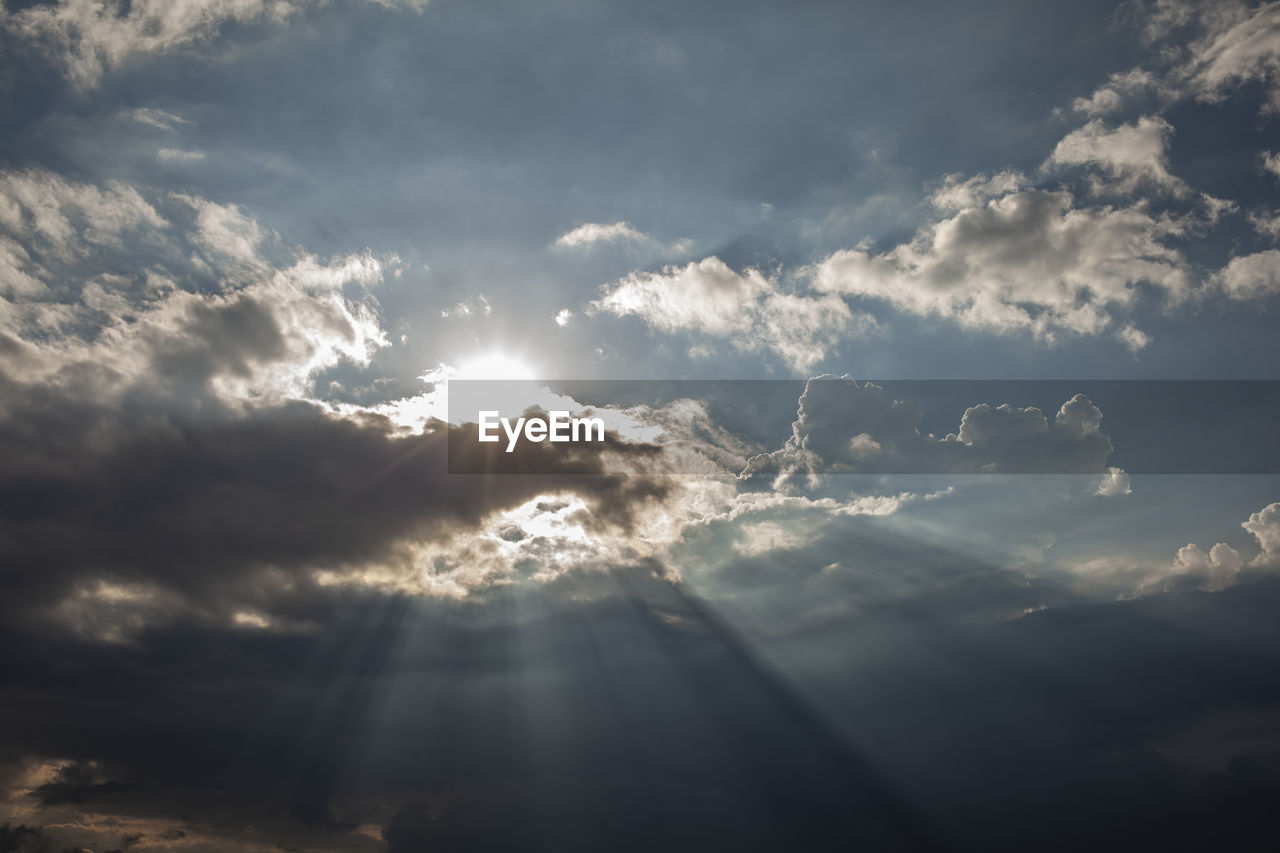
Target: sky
pixel 939 504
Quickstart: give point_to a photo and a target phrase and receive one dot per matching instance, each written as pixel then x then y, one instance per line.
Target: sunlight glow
pixel 495 365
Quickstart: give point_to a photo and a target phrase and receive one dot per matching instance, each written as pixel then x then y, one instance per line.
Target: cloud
pixel 1011 257
pixel 847 427
pixel 1271 162
pixel 1265 223
pixel 71 218
pixel 1222 566
pixel 1029 260
pixel 199 296
pixel 177 155
pixel 594 233
pixel 1239 44
pixel 225 229
pixel 476 306
pixel 958 192
pixel 1114 482
pixel 748 308
pixel 1110 97
pixel 259 503
pixel 1207 50
pixel 1265 527
pixel 1134 338
pixel 88 38
pixel 1131 154
pixel 1252 276
pixel 161 119
pixel 177 397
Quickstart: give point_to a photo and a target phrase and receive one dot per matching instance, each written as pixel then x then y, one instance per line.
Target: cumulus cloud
pixel 1223 565
pixel 748 308
pixel 1265 527
pixel 1133 337
pixel 847 427
pixel 1026 261
pixel 199 297
pixel 1010 255
pixel 1252 276
pixel 1130 155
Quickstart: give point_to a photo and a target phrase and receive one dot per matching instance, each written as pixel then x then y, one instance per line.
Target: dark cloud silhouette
pixel 215 503
pixel 646 718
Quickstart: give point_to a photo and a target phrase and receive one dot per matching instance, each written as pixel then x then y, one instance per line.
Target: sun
pixel 496 365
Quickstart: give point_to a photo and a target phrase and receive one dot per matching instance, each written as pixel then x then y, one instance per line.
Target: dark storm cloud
pixel 213 502
pixel 651 717
pixel 507 726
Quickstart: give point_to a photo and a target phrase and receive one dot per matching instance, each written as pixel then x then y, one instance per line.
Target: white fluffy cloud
pixel 1215 570
pixel 203 302
pixel 1227 43
pixel 1265 527
pixel 1222 565
pixel 1251 276
pixel 68 217
pixel 1028 260
pixel 1130 155
pixel 747 308
pixel 1013 255
pixel 1114 482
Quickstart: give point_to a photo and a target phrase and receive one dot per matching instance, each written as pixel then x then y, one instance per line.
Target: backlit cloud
pixel 748 310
